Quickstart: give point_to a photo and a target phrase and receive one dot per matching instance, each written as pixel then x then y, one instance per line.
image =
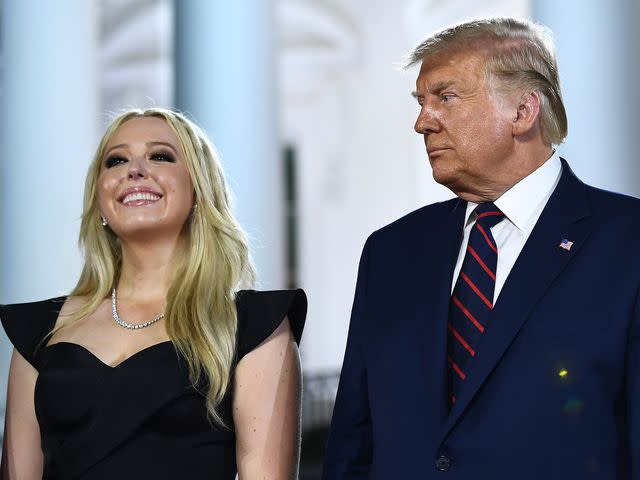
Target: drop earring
pixel 104 221
pixel 192 215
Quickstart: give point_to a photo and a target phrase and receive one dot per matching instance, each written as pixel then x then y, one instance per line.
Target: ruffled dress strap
pixel 260 314
pixel 27 325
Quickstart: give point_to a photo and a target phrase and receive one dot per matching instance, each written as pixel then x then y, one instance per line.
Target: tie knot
pixel 488 214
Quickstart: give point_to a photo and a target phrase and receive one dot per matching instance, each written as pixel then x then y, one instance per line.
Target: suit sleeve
pixel 349 449
pixel 633 391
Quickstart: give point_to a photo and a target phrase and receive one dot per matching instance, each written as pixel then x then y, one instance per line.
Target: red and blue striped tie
pixel 472 298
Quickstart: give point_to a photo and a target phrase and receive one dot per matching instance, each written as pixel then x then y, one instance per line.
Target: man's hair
pixel 519 54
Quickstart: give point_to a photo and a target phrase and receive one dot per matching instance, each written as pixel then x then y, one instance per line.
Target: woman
pixel 156 366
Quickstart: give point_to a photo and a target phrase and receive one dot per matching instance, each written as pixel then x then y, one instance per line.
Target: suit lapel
pixel 566 215
pixel 435 270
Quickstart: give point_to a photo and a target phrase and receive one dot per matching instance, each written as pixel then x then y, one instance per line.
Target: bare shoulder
pixel 71 307
pixel 73 304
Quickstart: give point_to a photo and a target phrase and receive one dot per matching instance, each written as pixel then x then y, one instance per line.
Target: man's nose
pixel 426 121
pixel 137 169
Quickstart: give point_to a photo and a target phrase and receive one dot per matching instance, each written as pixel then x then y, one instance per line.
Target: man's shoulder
pixel 428 217
pixel 613 204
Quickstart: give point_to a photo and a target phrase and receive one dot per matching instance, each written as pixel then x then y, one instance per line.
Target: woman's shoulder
pixel 27 324
pixel 261 312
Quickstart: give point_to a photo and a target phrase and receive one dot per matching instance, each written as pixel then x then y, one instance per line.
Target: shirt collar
pixel 527 197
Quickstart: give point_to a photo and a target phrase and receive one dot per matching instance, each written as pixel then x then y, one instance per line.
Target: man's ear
pixel 527 114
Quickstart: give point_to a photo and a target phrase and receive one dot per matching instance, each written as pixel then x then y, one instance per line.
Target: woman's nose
pixel 137 169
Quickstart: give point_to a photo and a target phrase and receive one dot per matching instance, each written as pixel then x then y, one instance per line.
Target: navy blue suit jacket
pixel 554 389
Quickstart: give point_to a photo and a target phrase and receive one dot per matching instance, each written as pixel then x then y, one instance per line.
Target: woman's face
pixel 144 188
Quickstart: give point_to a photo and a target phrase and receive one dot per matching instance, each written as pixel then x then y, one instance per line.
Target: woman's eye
pixel 163 157
pixel 114 160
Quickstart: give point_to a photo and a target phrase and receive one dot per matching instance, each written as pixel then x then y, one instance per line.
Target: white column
pixel 600 72
pixel 225 79
pixel 48 122
pixel 49 118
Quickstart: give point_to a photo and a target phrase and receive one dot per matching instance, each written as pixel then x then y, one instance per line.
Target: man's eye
pixel 114 160
pixel 163 157
pixel 446 97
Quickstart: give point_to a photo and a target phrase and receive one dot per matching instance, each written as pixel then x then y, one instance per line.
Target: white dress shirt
pixel 522 205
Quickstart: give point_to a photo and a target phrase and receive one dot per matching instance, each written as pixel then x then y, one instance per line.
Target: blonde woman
pixel 156 365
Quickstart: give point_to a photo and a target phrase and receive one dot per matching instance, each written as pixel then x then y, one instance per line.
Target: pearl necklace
pixel 129 326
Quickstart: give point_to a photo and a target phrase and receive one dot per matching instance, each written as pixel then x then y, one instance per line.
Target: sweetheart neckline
pixel 102 362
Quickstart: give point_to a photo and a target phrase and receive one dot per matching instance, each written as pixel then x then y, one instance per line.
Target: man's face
pixel 467 126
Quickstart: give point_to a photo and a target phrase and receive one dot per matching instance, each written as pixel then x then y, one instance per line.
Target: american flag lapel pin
pixel 566 244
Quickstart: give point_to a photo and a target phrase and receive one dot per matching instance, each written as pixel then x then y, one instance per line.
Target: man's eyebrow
pixel 438 87
pixel 435 88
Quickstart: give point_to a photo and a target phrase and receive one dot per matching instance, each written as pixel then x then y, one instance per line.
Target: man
pixel 496 335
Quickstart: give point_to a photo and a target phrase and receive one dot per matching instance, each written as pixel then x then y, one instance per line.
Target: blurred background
pixel 311 114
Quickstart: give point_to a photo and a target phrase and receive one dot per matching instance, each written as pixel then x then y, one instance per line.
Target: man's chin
pixel 455 183
pixel 444 177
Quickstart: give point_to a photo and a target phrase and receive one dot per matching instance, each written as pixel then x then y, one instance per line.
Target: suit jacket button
pixel 443 463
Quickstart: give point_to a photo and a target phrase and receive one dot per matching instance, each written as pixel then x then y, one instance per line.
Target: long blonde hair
pixel 200 315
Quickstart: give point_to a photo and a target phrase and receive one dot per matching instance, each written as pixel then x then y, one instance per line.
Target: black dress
pixel 143 418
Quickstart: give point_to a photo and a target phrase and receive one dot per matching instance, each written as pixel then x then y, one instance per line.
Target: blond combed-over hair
pixel 519 54
pixel 200 314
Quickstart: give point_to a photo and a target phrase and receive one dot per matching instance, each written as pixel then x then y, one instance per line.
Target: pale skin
pixel 267 381
pixel 481 140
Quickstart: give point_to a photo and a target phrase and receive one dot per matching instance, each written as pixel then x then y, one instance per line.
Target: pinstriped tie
pixel 472 298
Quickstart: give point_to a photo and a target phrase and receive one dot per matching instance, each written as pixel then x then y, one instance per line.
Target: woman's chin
pixel 147 229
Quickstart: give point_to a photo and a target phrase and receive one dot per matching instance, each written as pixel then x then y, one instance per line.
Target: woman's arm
pixel 267 394
pixel 22 453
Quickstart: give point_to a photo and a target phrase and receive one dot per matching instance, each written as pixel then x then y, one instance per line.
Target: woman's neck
pixel 147 270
